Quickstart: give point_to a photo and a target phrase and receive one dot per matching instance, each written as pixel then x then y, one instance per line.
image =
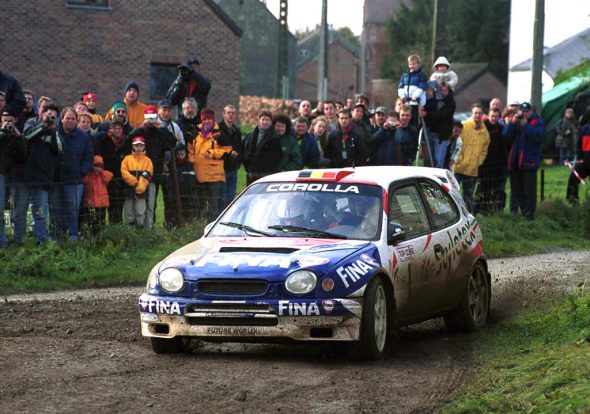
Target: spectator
pixel 137 172
pixel 110 145
pixel 360 127
pixel 188 120
pixel 443 73
pixel 380 118
pixel 290 153
pixel 119 111
pixel 158 141
pixel 476 140
pixel 12 157
pixel 187 185
pixel 85 123
pixel 13 94
pixel 349 103
pixel 345 147
pixel 90 100
pixel 566 139
pixel 438 115
pixel 262 149
pixel 41 102
pixel 406 136
pixel 80 107
pixel 310 152
pixel 72 165
pixel 364 101
pixel 2 101
pixel 330 114
pixel 165 109
pixel 29 111
pixel 230 137
pixel 385 150
pixel 319 131
pixel 582 167
pixel 492 173
pixel 455 146
pixel 207 158
pixel 318 110
pixel 190 83
pixel 133 106
pixel 305 110
pixel 412 86
pixel 96 196
pixel 339 105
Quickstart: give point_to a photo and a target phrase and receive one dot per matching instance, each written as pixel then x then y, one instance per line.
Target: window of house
pixel 95 4
pixel 161 77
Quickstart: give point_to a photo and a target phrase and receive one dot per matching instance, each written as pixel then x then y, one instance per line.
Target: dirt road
pixel 74 351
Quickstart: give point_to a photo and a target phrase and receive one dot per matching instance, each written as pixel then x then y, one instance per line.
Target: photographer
pixel 190 83
pixel 524 133
pixel 12 155
pixel 383 144
pixel 37 175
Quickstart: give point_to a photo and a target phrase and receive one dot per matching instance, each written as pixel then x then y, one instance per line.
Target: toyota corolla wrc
pixel 325 255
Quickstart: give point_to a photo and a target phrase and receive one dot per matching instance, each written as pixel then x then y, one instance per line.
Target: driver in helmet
pixel 292 212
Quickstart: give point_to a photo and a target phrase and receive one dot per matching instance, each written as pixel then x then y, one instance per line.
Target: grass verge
pixel 536 362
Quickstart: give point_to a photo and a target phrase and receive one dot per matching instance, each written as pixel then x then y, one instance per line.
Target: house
pixel 477 84
pixel 342 66
pixel 62 49
pixel 260 48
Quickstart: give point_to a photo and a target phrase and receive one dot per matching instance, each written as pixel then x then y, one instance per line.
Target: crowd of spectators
pixel 74 167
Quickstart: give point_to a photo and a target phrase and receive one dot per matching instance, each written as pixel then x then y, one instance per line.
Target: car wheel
pixel 472 313
pixel 375 322
pixel 174 345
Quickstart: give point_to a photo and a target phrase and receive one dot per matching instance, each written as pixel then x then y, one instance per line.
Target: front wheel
pixel 375 322
pixel 472 313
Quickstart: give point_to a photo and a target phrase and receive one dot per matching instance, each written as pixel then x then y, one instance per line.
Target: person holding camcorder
pixel 189 83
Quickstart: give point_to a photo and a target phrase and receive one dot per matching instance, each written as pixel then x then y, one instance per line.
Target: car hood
pixel 258 257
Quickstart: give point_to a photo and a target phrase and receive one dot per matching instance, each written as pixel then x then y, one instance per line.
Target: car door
pixel 442 254
pixel 413 293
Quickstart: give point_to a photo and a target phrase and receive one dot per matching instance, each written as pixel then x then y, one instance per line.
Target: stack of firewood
pixel 250 105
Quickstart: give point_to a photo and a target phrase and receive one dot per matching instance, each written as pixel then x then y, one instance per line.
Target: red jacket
pixel 95 187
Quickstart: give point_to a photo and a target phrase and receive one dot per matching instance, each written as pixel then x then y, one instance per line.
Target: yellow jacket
pixel 134 113
pixel 474 149
pixel 208 170
pixel 132 169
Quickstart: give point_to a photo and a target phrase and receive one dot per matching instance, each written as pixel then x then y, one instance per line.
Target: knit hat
pixel 118 105
pixel 132 85
pixel 207 113
pixel 441 61
pixel 89 96
pixel 138 140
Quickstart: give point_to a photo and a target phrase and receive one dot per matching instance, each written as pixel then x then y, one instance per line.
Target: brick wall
pixel 60 52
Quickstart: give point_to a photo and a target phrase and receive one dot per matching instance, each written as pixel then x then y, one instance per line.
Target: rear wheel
pixel 174 345
pixel 472 313
pixel 375 322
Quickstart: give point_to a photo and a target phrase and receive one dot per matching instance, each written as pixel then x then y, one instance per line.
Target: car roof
pixel 382 175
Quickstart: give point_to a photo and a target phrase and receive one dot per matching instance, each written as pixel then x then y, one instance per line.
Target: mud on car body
pixel 325 255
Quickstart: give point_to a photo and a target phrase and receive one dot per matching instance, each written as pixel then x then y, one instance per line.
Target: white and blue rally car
pixel 325 255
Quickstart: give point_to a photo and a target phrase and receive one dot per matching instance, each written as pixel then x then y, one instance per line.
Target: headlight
pixel 302 281
pixel 171 280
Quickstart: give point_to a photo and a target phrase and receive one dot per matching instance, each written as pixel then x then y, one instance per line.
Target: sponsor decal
pixel 353 272
pixel 306 261
pixel 290 308
pixel 237 260
pixel 151 305
pixel 406 253
pixel 232 331
pixel 326 188
pixel 369 260
pixel 328 305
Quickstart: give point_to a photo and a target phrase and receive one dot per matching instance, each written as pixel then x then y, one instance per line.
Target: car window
pixel 407 209
pixel 442 209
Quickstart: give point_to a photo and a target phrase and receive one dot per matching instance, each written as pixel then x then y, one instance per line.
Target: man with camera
pixel 383 144
pixel 12 155
pixel 190 82
pixel 36 175
pixel 524 134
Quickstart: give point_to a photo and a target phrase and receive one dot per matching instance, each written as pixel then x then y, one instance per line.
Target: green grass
pixel 536 362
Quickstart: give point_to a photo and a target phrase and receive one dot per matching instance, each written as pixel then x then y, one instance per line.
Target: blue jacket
pixel 310 151
pixel 76 159
pixel 525 143
pixel 407 140
pixel 385 150
pixel 412 85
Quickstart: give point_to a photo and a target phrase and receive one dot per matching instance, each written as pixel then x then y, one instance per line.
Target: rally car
pixel 325 255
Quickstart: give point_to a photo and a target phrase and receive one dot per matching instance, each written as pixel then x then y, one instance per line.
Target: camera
pixel 391 123
pixel 49 119
pixel 6 128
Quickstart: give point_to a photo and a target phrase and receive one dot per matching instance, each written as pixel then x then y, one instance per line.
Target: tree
pixel 346 33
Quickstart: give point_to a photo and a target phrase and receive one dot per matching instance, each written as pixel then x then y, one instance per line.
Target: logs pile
pixel 250 105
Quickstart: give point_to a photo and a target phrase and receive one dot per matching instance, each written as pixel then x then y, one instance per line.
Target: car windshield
pixel 305 209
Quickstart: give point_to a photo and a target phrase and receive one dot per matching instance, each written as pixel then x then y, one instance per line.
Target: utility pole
pixel 440 17
pixel 323 55
pixel 537 63
pixel 283 61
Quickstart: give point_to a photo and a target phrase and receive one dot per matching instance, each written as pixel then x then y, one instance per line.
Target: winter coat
pixel 189 127
pixel 208 170
pixel 525 142
pixel 449 76
pixel 291 159
pixel 43 149
pixel 385 150
pixel 76 159
pixel 137 171
pixel 474 150
pixel 340 149
pixel 194 85
pixel 439 115
pixel 567 134
pixel 407 139
pixel 157 142
pixel 12 156
pixel 497 150
pixel 134 113
pixel 15 99
pixel 231 137
pixel 95 187
pixel 262 154
pixel 111 149
pixel 310 151
pixel 412 86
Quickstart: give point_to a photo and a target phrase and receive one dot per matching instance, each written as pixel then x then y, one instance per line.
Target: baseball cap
pixel 138 140
pixel 381 109
pixel 150 112
pixel 525 106
pixel 165 103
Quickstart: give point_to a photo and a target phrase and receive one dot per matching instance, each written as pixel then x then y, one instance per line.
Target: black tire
pixel 174 345
pixel 375 322
pixel 474 309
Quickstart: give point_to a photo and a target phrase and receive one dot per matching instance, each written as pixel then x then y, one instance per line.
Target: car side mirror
pixel 395 233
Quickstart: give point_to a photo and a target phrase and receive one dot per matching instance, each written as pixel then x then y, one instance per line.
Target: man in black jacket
pixel 190 82
pixel 230 136
pixel 345 147
pixel 262 149
pixel 438 114
pixel 188 121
